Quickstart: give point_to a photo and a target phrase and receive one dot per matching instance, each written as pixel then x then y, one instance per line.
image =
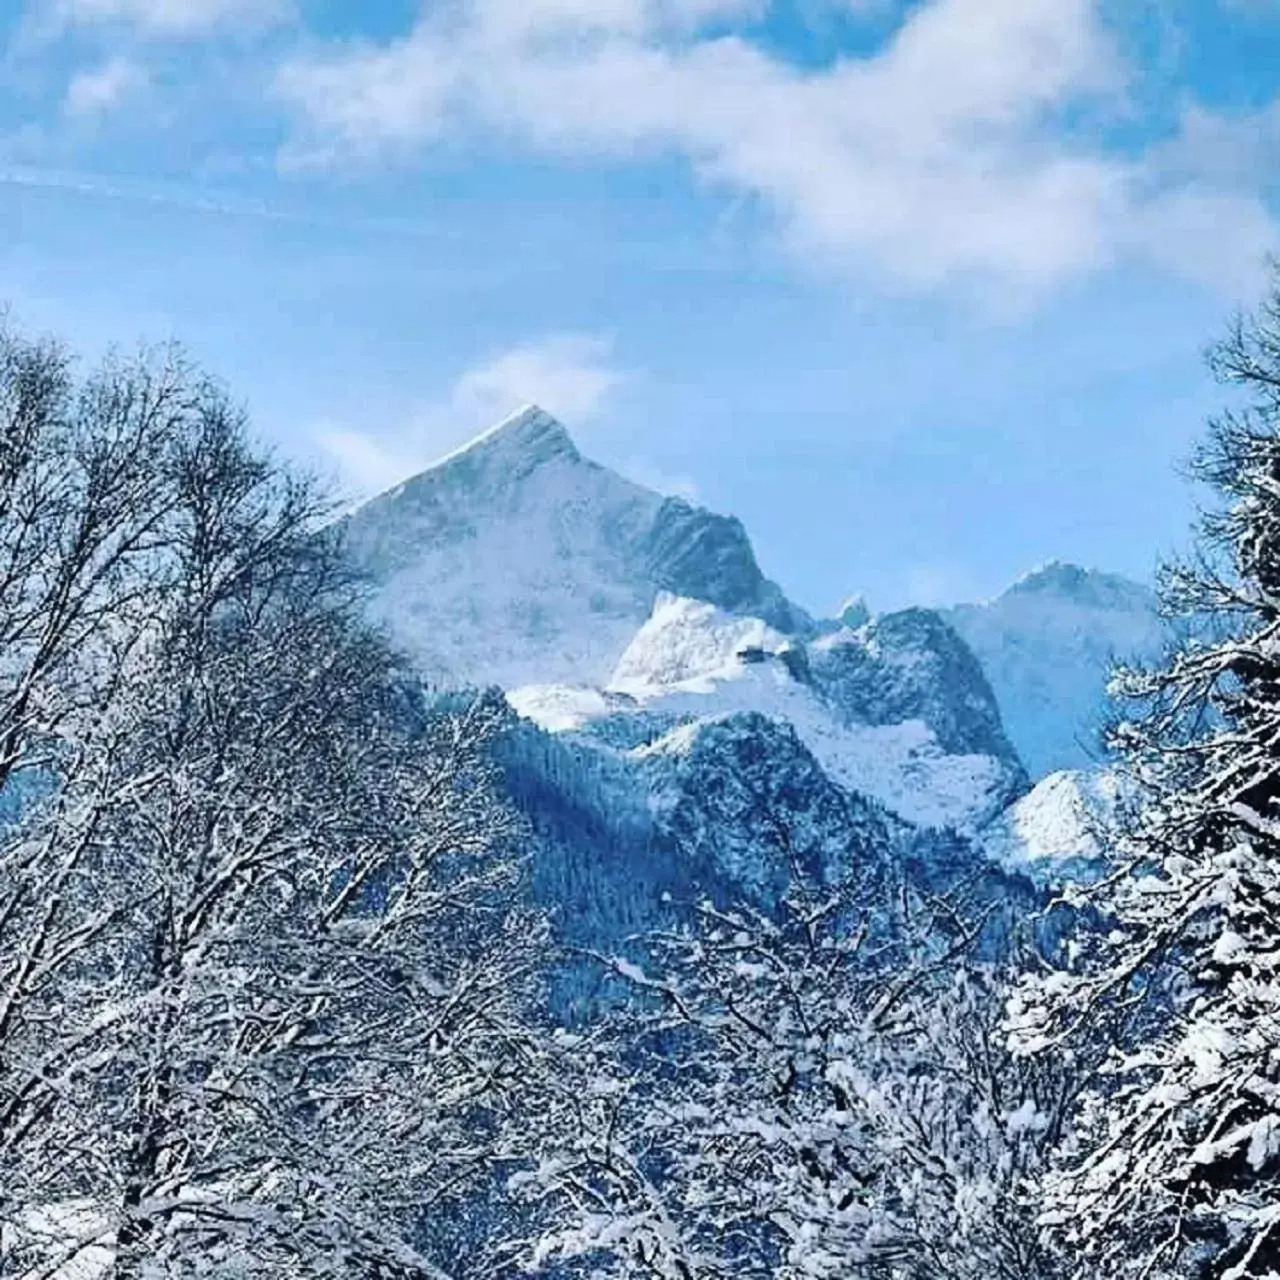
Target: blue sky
pixel 918 290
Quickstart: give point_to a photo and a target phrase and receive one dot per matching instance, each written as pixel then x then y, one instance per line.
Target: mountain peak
pixel 854 613
pixel 529 435
pixel 1090 587
pixel 1047 645
pixel 1053 575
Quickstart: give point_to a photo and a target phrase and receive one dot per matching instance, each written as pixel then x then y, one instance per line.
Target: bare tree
pixel 83 504
pixel 279 1021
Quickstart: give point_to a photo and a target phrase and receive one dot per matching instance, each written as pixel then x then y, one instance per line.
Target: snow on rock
pixel 559 708
pixel 854 613
pixel 654 667
pixel 1046 645
pixel 901 766
pixel 74 1239
pixel 690 646
pixel 1059 829
pixel 726 787
pixel 911 665
pixel 692 662
pixel 905 768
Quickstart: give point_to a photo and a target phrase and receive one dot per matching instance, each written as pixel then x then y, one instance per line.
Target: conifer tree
pixel 1177 1166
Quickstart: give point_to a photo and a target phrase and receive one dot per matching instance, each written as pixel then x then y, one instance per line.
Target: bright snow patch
pixel 689 646
pixel 558 708
pixel 74 1236
pixel 1059 826
pixel 692 662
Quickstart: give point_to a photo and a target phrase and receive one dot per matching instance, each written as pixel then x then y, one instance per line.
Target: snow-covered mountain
pixel 516 560
pixel 896 711
pixel 1059 829
pixel 637 813
pixel 682 726
pixel 1046 645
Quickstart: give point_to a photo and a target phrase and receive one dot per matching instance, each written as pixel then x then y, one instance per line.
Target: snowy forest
pixel 287 989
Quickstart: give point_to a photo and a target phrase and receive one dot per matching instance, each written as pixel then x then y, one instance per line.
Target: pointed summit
pixel 515 560
pixel 528 436
pixel 497 461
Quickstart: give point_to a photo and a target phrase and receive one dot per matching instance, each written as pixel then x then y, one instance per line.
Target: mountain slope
pixel 1060 829
pixel 518 562
pixel 1046 645
pixel 897 711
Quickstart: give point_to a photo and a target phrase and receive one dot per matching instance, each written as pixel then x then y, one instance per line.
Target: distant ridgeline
pixel 680 721
pixel 1046 645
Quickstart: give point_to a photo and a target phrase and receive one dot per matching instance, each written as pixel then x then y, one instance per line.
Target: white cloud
pixel 570 375
pixel 370 99
pixel 508 20
pixel 100 89
pixel 1232 152
pixel 171 17
pixel 949 156
pixel 367 464
pixel 1220 239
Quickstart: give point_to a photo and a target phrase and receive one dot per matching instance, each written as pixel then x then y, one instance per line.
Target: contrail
pixel 194 201
pixel 86 184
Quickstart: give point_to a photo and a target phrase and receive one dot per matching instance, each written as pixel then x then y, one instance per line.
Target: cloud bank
pixel 970 149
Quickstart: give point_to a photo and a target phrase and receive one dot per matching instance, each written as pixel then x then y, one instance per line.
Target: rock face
pixel 726 790
pixel 693 552
pixel 911 666
pixel 719 806
pixel 873 706
pixel 1047 645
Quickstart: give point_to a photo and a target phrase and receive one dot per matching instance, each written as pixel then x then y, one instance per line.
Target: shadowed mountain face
pixel 911 665
pixel 694 553
pixel 1047 645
